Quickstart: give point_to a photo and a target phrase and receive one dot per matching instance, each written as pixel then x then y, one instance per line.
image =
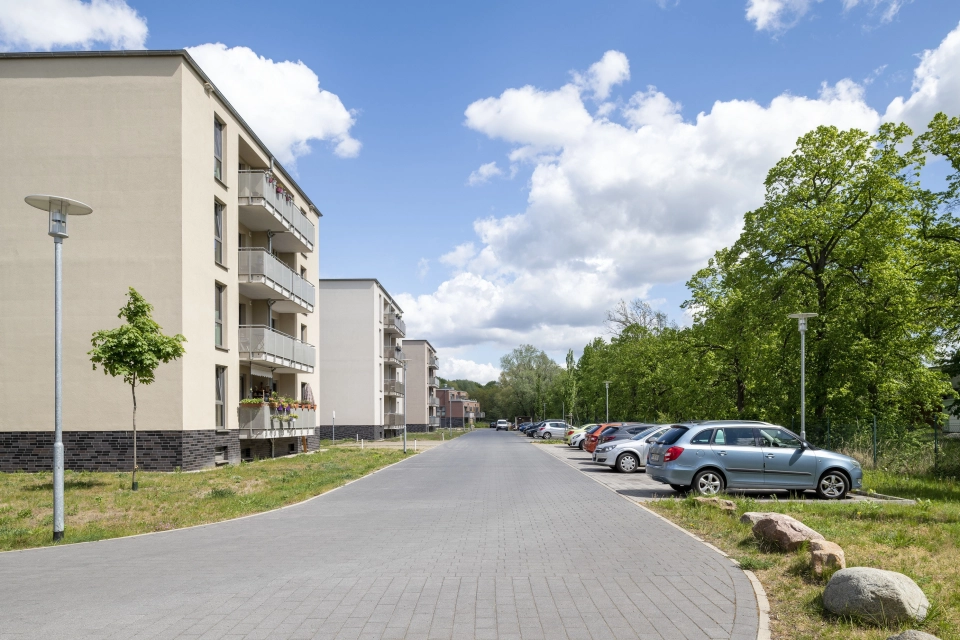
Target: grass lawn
pixel 101 505
pixel 921 541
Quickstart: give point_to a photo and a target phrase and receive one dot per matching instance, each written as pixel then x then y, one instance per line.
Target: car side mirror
pixel 651 440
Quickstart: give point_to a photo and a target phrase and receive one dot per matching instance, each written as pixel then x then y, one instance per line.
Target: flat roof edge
pixel 169 53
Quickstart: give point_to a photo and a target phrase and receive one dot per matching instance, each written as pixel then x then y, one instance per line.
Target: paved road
pixel 475 539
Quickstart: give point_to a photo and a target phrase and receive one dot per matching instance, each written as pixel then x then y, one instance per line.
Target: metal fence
pixel 393 320
pixel 393 386
pixel 257 262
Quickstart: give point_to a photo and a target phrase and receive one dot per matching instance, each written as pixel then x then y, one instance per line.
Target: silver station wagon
pixel 709 457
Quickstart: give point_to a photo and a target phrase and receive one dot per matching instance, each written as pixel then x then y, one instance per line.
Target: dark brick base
pixel 113 450
pixel 352 431
pixel 418 428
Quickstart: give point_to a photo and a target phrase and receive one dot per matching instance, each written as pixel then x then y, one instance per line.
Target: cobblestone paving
pixel 482 538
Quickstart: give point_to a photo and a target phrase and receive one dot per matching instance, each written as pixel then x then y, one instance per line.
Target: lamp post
pixel 607 383
pixel 58 209
pixel 802 325
pixel 404 382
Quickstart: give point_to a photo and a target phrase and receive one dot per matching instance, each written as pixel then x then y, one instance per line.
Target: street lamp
pixel 404 382
pixel 802 323
pixel 58 208
pixel 607 383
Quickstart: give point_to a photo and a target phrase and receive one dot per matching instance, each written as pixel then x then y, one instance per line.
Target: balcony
pixel 392 356
pixel 278 351
pixel 393 324
pixel 433 401
pixel 393 387
pixel 432 382
pixel 264 277
pixel 433 421
pixel 433 361
pixel 393 420
pixel 260 422
pixel 262 208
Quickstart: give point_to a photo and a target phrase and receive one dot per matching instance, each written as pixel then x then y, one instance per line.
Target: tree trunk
pixel 133 392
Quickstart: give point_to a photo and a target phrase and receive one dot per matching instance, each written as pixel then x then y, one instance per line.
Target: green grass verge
pixel 101 505
pixel 921 541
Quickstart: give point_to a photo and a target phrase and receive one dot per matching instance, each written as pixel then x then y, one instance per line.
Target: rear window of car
pixel 595 429
pixel 672 435
pixel 643 434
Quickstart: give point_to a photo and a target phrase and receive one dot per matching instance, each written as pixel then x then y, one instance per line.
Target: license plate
pixel 654 457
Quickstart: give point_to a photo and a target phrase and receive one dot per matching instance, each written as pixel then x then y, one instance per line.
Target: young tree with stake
pixel 134 350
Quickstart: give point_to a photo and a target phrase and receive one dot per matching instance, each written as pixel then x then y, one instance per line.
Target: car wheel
pixel 547 436
pixel 627 463
pixel 833 485
pixel 708 483
pixel 682 488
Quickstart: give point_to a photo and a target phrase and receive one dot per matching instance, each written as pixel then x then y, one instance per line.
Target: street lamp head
pixel 798 316
pixel 58 208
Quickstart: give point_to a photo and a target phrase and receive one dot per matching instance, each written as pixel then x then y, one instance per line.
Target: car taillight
pixel 607 438
pixel 672 453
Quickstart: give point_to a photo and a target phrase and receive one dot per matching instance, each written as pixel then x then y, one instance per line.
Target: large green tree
pixel 133 351
pixel 527 377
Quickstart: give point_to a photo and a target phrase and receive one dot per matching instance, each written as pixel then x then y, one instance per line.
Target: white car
pixel 630 455
pixel 503 424
pixel 552 429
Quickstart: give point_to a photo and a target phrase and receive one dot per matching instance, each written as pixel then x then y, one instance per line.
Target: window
pixel 219 290
pixel 221 393
pixel 303 333
pixel 672 435
pixel 218 232
pixel 220 455
pixel 779 438
pixel 243 386
pixel 292 447
pixel 702 438
pixel 242 316
pixel 303 392
pixel 246 453
pixel 736 437
pixel 303 272
pixel 218 150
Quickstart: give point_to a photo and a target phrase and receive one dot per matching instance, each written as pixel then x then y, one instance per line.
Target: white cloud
pixel 456 369
pixel 423 268
pixel 621 202
pixel 282 101
pixel 42 25
pixel 484 173
pixel 780 15
pixel 611 70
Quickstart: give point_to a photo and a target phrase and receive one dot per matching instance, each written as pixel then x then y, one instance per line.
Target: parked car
pixel 573 431
pixel 503 424
pixel 709 457
pixel 552 429
pixel 617 431
pixel 630 455
pixel 578 440
pixel 531 430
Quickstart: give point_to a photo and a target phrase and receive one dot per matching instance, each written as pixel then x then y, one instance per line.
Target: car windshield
pixel 643 434
pixel 672 435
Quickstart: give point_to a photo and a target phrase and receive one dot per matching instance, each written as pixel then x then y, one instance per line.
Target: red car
pixel 594 438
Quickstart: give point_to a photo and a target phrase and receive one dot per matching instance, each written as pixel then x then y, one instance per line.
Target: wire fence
pixel 892 447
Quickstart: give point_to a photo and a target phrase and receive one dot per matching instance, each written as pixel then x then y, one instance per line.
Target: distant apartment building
pixel 361 360
pixel 191 209
pixel 420 386
pixel 456 408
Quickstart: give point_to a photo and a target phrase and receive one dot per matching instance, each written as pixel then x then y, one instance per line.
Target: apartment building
pixel 456 408
pixel 420 398
pixel 361 360
pixel 191 209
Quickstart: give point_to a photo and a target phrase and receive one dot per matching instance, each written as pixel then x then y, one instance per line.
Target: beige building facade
pixel 421 399
pixel 191 210
pixel 361 360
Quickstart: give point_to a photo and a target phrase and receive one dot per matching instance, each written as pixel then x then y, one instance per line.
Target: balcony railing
pixel 433 421
pixel 393 387
pixel 261 343
pixel 433 361
pixel 432 382
pixel 393 420
pixel 391 355
pixel 392 322
pixel 259 265
pixel 257 187
pixel 433 401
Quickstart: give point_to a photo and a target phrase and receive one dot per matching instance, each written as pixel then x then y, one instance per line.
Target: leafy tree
pixel 527 375
pixel 133 351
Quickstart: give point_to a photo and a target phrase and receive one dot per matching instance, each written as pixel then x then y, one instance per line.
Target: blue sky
pixel 589 208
